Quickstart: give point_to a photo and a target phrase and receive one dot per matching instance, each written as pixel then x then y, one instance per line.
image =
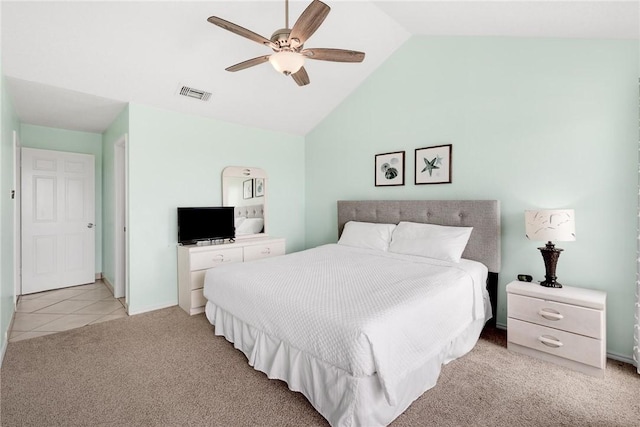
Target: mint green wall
pixel 177 160
pixel 8 123
pixel 534 123
pixel 113 134
pixel 47 138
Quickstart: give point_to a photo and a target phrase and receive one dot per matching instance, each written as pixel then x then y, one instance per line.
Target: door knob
pixel 90 225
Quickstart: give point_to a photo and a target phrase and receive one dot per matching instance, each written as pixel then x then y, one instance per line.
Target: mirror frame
pixel 245 172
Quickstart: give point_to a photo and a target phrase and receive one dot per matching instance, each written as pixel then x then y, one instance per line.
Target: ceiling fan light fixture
pixel 287 62
pixel 288 42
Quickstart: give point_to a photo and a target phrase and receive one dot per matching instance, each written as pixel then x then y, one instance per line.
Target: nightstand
pixel 564 325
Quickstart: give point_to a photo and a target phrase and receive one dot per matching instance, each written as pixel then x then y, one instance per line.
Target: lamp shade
pixel 550 225
pixel 287 62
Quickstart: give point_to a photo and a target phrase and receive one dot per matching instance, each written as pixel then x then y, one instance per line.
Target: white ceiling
pixel 74 65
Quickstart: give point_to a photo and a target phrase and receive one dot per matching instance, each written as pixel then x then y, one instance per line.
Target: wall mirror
pixel 246 190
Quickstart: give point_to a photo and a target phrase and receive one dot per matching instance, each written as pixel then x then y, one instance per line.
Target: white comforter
pixel 363 311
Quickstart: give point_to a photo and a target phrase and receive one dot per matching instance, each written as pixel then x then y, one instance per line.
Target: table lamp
pixel 550 225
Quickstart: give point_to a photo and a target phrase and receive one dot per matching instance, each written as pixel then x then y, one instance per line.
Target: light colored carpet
pixel 168 369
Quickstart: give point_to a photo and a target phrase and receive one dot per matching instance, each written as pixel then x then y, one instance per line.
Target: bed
pixel 363 331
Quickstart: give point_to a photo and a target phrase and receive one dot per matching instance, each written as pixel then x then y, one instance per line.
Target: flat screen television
pixel 202 224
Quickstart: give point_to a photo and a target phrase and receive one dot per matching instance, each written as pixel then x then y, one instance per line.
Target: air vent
pixel 202 95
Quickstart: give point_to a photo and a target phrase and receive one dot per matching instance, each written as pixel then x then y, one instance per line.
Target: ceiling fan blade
pixel 308 22
pixel 301 77
pixel 248 63
pixel 335 55
pixel 241 31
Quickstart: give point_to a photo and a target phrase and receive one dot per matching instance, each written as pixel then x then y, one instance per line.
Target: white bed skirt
pixel 343 399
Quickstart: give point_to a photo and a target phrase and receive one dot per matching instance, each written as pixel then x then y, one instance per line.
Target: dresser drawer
pixel 194 261
pixel 197 279
pixel 197 298
pixel 212 258
pixel 263 251
pixel 570 318
pixel 570 346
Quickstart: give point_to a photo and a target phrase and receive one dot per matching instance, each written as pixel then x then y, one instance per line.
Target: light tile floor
pixel 59 310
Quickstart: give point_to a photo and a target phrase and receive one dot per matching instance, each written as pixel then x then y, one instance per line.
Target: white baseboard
pixel 152 308
pixel 4 347
pixel 6 336
pixel 620 358
pixel 109 284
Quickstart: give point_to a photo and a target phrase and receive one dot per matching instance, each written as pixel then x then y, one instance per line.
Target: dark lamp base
pixel 549 284
pixel 550 254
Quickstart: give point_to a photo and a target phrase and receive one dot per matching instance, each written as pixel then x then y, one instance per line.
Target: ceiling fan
pixel 288 44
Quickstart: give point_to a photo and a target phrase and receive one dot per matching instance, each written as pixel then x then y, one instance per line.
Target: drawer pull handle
pixel 550 341
pixel 219 258
pixel 550 315
pixel 266 251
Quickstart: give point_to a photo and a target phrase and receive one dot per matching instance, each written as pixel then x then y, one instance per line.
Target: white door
pixel 58 210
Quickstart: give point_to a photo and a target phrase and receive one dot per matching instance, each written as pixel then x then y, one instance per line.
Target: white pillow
pixel 238 220
pixel 367 235
pixel 250 226
pixel 430 240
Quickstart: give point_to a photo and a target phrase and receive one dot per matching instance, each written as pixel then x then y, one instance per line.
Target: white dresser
pixel 564 325
pixel 194 261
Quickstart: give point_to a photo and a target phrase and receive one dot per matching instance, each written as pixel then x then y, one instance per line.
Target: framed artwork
pixel 433 165
pixel 258 186
pixel 247 189
pixel 389 169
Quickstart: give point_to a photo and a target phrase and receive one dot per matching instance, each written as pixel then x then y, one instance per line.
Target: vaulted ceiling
pixel 75 64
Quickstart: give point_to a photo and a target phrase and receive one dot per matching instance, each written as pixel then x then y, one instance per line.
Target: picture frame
pixel 247 189
pixel 389 169
pixel 258 187
pixel 433 165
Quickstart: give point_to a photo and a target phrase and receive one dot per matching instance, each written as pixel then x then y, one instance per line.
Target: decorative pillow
pixel 430 240
pixel 367 235
pixel 250 226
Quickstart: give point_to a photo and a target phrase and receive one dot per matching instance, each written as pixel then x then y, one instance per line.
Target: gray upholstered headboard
pixel 252 211
pixel 482 215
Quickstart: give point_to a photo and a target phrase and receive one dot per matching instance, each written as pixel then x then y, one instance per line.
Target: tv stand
pixel 195 260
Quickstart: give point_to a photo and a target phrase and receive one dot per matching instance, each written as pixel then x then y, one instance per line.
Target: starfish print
pixel 430 165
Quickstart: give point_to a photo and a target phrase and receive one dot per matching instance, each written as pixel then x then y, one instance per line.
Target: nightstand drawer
pixel 212 258
pixel 263 251
pixel 570 346
pixel 570 318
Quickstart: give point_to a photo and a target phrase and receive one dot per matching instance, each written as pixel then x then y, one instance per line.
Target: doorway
pixel 57 219
pixel 16 194
pixel 121 286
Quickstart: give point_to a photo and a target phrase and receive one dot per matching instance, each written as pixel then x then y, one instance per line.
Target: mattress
pixel 353 329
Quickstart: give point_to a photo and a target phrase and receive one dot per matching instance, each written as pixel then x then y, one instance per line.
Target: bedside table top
pixel 567 294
